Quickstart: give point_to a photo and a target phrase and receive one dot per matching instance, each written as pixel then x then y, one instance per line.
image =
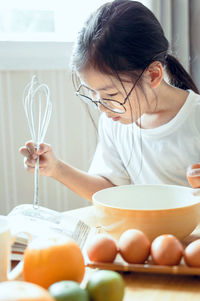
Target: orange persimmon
pixel 23 291
pixel 53 259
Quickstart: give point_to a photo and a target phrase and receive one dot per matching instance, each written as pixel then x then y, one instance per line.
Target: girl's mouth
pixel 115 118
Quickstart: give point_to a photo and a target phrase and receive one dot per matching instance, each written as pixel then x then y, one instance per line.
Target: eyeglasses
pixel 91 97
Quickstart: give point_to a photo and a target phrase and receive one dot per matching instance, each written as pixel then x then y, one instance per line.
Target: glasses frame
pixel 97 102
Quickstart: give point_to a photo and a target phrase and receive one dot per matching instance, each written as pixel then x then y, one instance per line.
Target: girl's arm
pixel 79 181
pixel 76 180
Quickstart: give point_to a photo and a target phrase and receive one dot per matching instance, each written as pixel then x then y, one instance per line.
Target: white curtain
pixel 181 22
pixel 70 132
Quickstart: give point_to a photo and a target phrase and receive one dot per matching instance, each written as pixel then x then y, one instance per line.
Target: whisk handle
pixel 36 184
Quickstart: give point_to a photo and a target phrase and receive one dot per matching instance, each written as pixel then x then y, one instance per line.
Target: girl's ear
pixel 155 73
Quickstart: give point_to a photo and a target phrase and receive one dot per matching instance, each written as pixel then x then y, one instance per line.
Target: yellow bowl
pixel 154 209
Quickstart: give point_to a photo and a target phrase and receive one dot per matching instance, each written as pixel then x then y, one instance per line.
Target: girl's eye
pixel 113 94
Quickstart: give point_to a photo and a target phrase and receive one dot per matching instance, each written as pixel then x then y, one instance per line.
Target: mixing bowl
pixel 154 209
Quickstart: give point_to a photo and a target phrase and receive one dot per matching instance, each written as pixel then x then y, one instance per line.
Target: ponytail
pixel 178 76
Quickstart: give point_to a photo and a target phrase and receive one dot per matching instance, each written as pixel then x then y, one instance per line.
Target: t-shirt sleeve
pixel 106 161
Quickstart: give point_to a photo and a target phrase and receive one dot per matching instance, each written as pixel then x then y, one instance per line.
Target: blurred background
pixel 36 37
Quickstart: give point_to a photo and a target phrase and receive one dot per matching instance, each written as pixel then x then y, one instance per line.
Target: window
pixel 44 20
pixel 39 34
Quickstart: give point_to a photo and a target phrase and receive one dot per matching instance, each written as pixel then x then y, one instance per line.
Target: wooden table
pixel 149 287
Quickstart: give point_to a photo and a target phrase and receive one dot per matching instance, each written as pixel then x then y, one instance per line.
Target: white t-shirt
pixel 126 154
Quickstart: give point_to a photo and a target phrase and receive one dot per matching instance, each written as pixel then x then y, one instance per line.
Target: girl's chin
pixel 125 121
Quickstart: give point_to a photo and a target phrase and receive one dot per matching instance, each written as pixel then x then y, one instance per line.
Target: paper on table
pixel 45 223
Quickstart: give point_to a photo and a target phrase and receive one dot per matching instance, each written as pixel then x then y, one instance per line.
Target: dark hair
pixel 124 36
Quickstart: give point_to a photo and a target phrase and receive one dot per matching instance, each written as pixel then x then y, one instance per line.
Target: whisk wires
pixel 37 95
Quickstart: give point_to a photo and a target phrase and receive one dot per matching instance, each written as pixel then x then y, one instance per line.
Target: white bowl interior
pixel 146 197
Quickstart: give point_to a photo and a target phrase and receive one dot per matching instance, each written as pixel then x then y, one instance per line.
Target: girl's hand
pixel 193 175
pixel 47 163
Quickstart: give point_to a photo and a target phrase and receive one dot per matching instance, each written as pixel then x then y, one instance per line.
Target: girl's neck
pixel 169 101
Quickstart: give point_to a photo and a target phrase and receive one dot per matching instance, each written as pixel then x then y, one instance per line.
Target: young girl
pixel 149 129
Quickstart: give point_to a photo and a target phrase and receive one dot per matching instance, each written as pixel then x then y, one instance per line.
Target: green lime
pixel 106 285
pixel 68 291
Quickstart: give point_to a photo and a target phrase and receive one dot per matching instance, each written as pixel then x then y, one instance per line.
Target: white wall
pixel 70 132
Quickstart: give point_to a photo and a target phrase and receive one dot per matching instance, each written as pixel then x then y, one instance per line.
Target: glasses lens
pixel 91 98
pixel 87 96
pixel 85 91
pixel 113 105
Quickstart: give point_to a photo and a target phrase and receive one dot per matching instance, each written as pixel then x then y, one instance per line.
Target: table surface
pixel 149 287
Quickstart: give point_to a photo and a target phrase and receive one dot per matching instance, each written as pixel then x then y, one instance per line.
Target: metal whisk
pixel 38 108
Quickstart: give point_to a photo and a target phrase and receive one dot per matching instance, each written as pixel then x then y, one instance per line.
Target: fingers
pixel 30 165
pixel 194 166
pixel 193 170
pixel 31 148
pixel 24 151
pixel 30 152
pixel 44 148
pixel 193 175
pixel 30 168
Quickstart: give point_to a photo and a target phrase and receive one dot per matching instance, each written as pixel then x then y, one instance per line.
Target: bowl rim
pixel 95 202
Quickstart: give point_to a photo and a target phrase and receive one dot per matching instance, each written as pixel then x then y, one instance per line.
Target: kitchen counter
pixel 146 286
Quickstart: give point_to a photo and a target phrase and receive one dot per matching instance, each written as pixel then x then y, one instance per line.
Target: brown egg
pixel 192 254
pixel 166 249
pixel 102 248
pixel 134 246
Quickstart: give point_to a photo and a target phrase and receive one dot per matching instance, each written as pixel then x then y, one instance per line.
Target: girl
pixel 149 129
